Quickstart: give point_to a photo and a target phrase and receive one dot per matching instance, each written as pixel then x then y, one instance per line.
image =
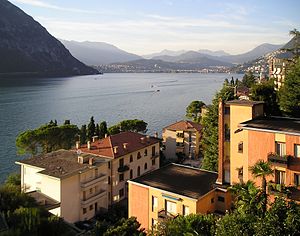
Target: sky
pixel 148 26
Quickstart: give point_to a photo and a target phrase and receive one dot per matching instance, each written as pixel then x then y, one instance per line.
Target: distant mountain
pixel 164 52
pixel 194 57
pixel 251 55
pixel 214 53
pixel 97 53
pixel 27 47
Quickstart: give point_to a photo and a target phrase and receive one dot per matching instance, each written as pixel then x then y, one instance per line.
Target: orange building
pixel 175 190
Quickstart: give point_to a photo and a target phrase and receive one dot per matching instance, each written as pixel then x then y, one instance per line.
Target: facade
pixel 278 69
pixel 82 182
pixel 246 136
pixel 174 190
pixel 183 138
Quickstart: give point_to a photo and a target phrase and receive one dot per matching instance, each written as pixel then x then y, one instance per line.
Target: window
pixel 154 203
pixel 130 174
pixel 227 111
pixel 185 210
pixel 279 177
pixel 297 150
pixel 145 166
pixel 121 192
pixel 91 207
pixel 84 210
pixel 138 171
pixel 212 200
pixel 227 133
pixel 91 190
pixel 240 147
pixel 145 152
pixel 221 199
pixel 153 151
pixel 131 158
pixel 171 207
pixel 121 177
pixel 121 162
pixel 154 222
pixel 96 172
pixel 297 179
pixel 108 165
pixel 280 148
pixel 138 155
pixel 153 162
pixel 240 173
pixel 108 180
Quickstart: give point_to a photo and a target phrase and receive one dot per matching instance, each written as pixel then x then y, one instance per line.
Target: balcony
pixel 165 215
pixel 95 180
pixel 123 168
pixel 278 160
pixel 155 155
pixel 94 197
pixel 279 190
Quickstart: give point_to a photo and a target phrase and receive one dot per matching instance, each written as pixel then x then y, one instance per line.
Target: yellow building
pixel 174 190
pixel 81 182
pixel 182 137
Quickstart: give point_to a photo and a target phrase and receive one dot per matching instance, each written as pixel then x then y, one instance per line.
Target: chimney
pixel 148 138
pixel 89 145
pixel 155 135
pixel 77 144
pixel 80 159
pixel 94 138
pixel 115 149
pixel 221 131
pixel 125 146
pixel 105 135
pixel 91 161
pixel 142 140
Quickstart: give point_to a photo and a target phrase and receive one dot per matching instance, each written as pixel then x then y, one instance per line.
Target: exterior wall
pixel 169 139
pixel 206 204
pixel 51 187
pixel 30 180
pixel 138 204
pixel 134 165
pixel 222 206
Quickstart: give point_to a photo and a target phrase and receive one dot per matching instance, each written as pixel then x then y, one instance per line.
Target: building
pixel 174 190
pixel 183 138
pixel 79 183
pixel 247 136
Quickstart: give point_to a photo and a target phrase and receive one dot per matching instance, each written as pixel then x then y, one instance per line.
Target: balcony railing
pixel 98 178
pixel 89 199
pixel 164 215
pixel 123 168
pixel 276 159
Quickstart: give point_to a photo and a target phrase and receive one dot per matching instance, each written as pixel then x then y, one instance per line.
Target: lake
pixel 158 99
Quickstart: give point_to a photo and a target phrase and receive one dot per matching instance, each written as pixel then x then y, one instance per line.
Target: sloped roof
pixel 133 141
pixel 184 125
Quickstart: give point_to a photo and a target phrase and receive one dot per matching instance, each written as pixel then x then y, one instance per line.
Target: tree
pixel 14 179
pixel 103 129
pixel 248 80
pixel 126 227
pixel 289 93
pixel 83 137
pixel 128 125
pixel 209 139
pixel 91 128
pixel 296 47
pixel 97 130
pixel 265 92
pixel 193 111
pixel 262 169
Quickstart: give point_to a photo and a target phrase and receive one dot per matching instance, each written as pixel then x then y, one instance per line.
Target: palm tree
pixel 262 169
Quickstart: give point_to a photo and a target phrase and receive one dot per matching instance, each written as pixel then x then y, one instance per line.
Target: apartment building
pixel 278 68
pixel 76 184
pixel 174 190
pixel 247 136
pixel 182 138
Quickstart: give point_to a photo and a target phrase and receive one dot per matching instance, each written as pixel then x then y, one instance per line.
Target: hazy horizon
pixel 145 27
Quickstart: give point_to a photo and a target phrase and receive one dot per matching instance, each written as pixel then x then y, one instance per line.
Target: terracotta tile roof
pixel 180 179
pixel 62 163
pixel 244 102
pixel 184 125
pixel 126 142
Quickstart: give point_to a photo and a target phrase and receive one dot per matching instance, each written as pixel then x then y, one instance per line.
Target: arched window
pixel 131 174
pixel 138 171
pixel 145 166
pixel 138 155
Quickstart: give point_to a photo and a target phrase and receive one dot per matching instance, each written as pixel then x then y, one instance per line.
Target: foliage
pixel 289 94
pixel 14 179
pixel 91 129
pixel 193 224
pixel 248 80
pixel 126 227
pixel 83 137
pixel 128 125
pixel 265 92
pixel 103 129
pixel 47 138
pixel 210 131
pixel 193 111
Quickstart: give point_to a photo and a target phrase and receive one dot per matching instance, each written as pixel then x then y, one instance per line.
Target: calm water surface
pixel 158 99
